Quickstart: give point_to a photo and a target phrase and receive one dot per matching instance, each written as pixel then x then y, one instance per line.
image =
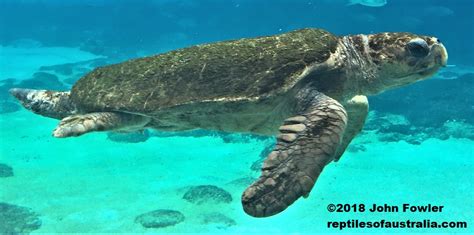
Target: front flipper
pixel 357 110
pixel 306 144
pixel 104 121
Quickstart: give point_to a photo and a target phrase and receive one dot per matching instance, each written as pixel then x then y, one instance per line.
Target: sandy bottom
pixel 90 184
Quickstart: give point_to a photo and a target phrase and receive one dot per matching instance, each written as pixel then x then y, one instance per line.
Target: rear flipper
pixel 54 104
pixel 102 121
pixel 307 143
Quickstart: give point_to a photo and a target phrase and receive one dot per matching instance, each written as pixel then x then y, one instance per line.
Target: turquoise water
pixel 417 146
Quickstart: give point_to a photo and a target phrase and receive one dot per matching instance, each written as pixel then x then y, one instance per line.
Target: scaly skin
pixel 53 104
pixel 357 109
pixel 105 121
pixel 307 143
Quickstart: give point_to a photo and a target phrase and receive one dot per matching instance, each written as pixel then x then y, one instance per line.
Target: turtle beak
pixel 442 53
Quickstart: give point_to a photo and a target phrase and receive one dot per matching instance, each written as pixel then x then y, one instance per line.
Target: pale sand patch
pixel 89 184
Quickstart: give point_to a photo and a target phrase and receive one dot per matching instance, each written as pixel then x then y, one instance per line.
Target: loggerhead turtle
pixel 307 86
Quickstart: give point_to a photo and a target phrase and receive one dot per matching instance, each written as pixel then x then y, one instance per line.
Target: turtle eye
pixel 418 48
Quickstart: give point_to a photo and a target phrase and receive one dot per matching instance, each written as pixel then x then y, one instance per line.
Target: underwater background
pixel 417 145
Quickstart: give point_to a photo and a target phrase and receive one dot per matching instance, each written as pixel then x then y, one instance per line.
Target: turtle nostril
pixel 438 41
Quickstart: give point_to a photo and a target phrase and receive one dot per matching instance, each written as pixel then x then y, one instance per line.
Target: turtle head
pixel 402 58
